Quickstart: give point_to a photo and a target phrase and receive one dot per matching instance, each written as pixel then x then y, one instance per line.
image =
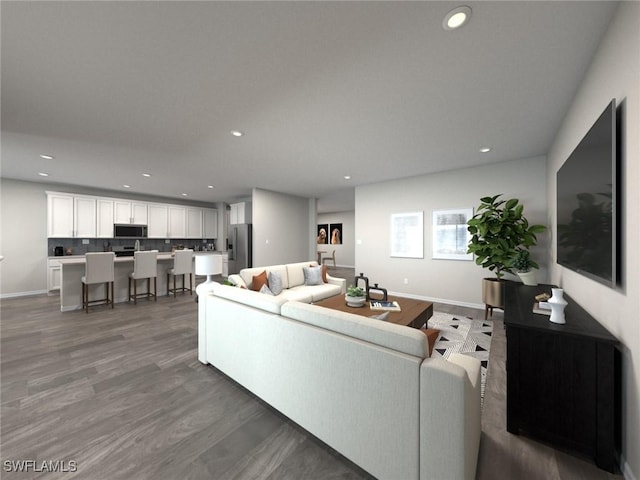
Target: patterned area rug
pixel 464 335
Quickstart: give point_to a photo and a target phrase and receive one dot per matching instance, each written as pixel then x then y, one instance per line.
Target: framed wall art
pixel 322 238
pixel 407 235
pixel 336 234
pixel 450 235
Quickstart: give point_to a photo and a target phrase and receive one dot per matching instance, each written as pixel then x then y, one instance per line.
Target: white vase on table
pixel 557 304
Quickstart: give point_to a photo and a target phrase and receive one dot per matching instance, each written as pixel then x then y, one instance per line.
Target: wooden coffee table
pixel 415 313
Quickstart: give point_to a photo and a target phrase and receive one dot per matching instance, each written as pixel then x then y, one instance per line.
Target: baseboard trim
pixel 23 294
pixel 477 306
pixel 627 473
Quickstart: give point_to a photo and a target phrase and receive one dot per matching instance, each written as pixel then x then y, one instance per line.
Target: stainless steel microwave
pixel 129 231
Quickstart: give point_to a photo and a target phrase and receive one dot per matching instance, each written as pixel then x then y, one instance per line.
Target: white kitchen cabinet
pixel 240 213
pixel 129 212
pixel 177 221
pixel 194 222
pixel 157 226
pixel 210 220
pixel 84 217
pixel 59 215
pixel 104 218
pixel 53 276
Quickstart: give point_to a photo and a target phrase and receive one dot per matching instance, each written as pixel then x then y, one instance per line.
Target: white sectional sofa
pixel 365 387
pixel 293 282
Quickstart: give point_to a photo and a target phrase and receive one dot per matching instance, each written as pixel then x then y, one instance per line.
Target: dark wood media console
pixel 563 381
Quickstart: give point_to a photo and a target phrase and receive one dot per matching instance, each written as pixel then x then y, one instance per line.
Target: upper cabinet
pixel 59 215
pixel 70 216
pixel 84 217
pixel 240 213
pixel 130 212
pixel 87 216
pixel 194 222
pixel 104 218
pixel 177 221
pixel 210 220
pixel 157 225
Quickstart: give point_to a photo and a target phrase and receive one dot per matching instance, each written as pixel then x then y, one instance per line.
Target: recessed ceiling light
pixel 210 186
pixel 237 133
pixel 347 177
pixel 126 186
pixel 146 175
pixel 47 157
pixel 42 174
pixel 183 194
pixel 456 18
pixel 485 149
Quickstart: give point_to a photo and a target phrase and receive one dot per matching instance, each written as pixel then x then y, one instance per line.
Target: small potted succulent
pixel 355 296
pixel 525 267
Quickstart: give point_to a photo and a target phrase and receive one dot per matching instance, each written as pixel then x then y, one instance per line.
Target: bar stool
pixel 182 264
pixel 98 269
pixel 145 265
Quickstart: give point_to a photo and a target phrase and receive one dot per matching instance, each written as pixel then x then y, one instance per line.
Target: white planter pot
pixel 355 301
pixel 528 278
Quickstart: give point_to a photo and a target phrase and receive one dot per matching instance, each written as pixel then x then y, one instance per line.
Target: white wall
pixel 345 253
pixel 24 237
pixel 281 228
pixel 614 73
pixel 449 281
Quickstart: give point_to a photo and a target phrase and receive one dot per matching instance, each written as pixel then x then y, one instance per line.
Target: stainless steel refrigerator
pixel 239 247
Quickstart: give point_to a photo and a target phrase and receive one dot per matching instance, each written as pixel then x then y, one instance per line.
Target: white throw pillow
pixel 275 283
pixel 266 290
pixel 312 275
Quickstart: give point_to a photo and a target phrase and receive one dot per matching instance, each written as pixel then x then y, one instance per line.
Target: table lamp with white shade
pixel 209 265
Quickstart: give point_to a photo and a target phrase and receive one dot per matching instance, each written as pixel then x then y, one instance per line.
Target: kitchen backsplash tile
pixel 74 246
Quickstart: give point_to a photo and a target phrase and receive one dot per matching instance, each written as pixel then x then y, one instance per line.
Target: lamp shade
pixel 209 265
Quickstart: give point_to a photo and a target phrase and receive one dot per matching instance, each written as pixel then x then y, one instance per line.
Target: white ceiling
pixel 375 90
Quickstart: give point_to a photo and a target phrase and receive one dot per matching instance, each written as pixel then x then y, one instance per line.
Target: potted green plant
pixel 355 296
pixel 524 267
pixel 498 231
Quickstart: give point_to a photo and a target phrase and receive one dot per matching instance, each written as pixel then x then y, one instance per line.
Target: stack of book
pixel 385 306
pixel 541 306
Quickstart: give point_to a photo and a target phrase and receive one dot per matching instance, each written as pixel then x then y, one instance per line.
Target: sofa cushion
pixel 389 335
pixel 312 275
pixel 268 303
pixel 295 272
pixel 258 281
pixel 311 293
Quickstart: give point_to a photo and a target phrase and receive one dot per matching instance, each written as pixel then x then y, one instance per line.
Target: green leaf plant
pixel 499 230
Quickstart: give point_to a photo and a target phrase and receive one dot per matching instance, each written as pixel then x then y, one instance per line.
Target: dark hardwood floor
pixel 121 395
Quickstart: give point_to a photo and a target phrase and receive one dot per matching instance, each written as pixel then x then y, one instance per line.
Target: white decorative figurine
pixel 557 304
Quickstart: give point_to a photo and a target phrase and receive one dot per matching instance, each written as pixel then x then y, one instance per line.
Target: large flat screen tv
pixel 587 196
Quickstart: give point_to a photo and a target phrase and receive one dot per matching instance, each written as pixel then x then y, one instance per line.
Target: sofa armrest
pixel 450 412
pixel 237 280
pixel 341 282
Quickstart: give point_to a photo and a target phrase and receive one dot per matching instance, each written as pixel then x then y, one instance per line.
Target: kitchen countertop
pixel 197 252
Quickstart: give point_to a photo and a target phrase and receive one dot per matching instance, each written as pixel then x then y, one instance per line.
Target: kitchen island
pixel 73 268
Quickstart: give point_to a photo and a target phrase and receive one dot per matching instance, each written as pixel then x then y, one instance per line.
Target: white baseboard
pixel 23 294
pixel 626 469
pixel 477 306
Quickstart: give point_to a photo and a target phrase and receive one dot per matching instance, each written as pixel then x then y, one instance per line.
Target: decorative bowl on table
pixel 355 296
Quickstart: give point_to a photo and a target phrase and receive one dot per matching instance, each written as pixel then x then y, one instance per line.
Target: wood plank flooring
pixel 121 393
